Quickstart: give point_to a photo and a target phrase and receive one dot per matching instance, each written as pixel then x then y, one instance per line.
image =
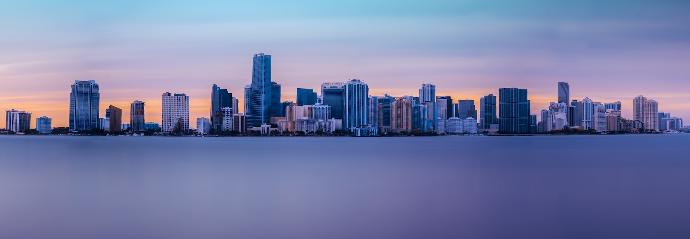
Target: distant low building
pixel 44 125
pixel 203 125
pixel 18 121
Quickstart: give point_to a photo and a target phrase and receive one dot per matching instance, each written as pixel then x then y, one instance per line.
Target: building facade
pixel 356 104
pixel 514 111
pixel 114 115
pixel 44 125
pixel 84 106
pixel 563 92
pixel 17 121
pixel 487 109
pixel 333 94
pixel 220 99
pixel 259 96
pixel 137 119
pixel 646 111
pixel 306 96
pixel 175 112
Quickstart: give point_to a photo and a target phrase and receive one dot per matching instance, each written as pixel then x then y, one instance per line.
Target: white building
pixel 227 123
pixel 175 109
pixel 599 118
pixel 17 121
pixel 647 112
pixel 470 126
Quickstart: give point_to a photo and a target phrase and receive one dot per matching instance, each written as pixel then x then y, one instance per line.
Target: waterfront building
pixel 470 126
pixel 466 109
pixel 175 112
pixel 306 97
pixel 587 114
pixel 427 93
pixel 152 126
pixel 487 109
pixel 563 92
pixel 220 99
pixel 454 125
pixel 373 111
pixel 203 125
pixel 646 111
pixel 427 98
pixel 384 113
pixel 44 125
pixel 104 124
pixel 276 105
pixel 17 121
pixel 514 111
pixel 259 96
pixel 356 104
pixel 442 109
pixel 239 124
pixel 599 118
pixel 227 116
pixel 449 106
pixel 333 94
pixel 613 120
pixel 402 114
pixel 114 116
pixel 546 121
pixel 663 120
pixel 84 106
pixel 137 119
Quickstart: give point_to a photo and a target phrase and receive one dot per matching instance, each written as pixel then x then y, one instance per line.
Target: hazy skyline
pixel 136 50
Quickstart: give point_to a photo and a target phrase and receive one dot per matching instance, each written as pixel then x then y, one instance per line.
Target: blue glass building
pixel 514 111
pixel 356 104
pixel 84 106
pixel 306 97
pixel 259 98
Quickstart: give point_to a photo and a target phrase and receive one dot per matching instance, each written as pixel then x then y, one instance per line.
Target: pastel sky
pixel 137 49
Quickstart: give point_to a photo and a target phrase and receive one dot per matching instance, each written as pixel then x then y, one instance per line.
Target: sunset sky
pixel 136 50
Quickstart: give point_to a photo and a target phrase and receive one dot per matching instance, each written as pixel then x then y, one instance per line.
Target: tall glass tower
pixel 563 92
pixel 514 111
pixel 258 108
pixel 356 104
pixel 220 98
pixel 84 106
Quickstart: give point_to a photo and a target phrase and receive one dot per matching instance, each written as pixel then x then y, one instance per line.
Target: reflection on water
pixel 438 187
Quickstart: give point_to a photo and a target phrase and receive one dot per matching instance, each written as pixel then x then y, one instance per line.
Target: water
pixel 437 187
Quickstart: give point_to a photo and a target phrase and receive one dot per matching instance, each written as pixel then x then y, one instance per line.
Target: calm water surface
pixel 438 187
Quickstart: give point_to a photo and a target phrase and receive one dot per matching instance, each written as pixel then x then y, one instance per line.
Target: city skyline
pixel 136 51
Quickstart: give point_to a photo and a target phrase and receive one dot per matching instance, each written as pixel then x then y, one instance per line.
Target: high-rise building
pixel 84 106
pixel 17 121
pixel 487 107
pixel 616 106
pixel 220 98
pixel 373 111
pixel 175 114
pixel 442 108
pixel 239 124
pixel 466 109
pixel 646 111
pixel 563 92
pixel 663 117
pixel 575 113
pixel 203 125
pixel 384 113
pixel 306 97
pixel 599 118
pixel 587 114
pixel 356 104
pixel 514 111
pixel 427 97
pixel 401 114
pixel 333 94
pixel 137 120
pixel 427 93
pixel 44 125
pixel 450 107
pixel 276 105
pixel 227 123
pixel 259 96
pixel 114 115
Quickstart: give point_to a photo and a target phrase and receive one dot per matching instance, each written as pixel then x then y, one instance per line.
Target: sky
pixel 137 49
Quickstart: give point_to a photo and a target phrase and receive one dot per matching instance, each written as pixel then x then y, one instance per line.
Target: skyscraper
pixel 114 115
pixel 487 107
pixel 563 92
pixel 514 111
pixel 587 114
pixel 259 100
pixel 466 109
pixel 450 107
pixel 175 114
pixel 401 114
pixel 384 112
pixel 276 109
pixel 373 111
pixel 137 121
pixel 442 108
pixel 84 106
pixel 615 106
pixel 220 98
pixel 427 93
pixel 427 97
pixel 356 104
pixel 306 97
pixel 334 95
pixel 646 111
pixel 17 121
pixel 44 125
